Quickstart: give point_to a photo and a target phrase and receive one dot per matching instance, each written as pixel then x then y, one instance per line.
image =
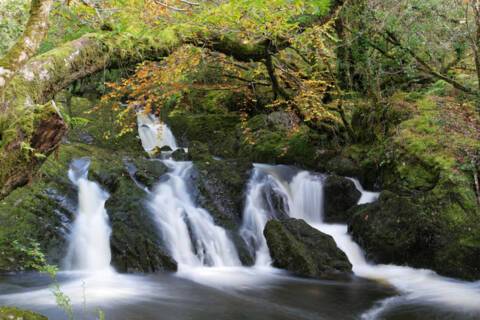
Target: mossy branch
pixel 27 45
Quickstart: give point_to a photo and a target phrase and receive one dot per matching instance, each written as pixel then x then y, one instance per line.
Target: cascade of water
pixel 89 241
pixel 305 201
pixel 267 197
pixel 367 196
pixel 189 231
pixel 154 133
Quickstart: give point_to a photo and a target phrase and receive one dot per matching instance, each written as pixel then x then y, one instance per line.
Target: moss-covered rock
pixel 32 216
pixel 220 185
pixel 340 194
pixel 305 251
pixel 135 244
pixel 269 139
pixel 12 313
pixel 217 131
pixel 180 155
pixel 393 230
pixel 407 230
pixel 147 171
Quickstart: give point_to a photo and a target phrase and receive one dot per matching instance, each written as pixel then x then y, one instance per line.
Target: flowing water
pixel 154 133
pixel 89 241
pixel 188 230
pixel 303 199
pixel 211 283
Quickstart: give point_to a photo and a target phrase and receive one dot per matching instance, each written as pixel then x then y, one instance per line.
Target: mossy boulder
pixel 271 139
pixel 393 230
pixel 199 151
pixel 343 166
pixel 430 217
pixel 299 248
pixel 216 131
pixel 340 194
pixel 29 217
pixel 407 230
pixel 221 186
pixel 147 172
pixel 12 313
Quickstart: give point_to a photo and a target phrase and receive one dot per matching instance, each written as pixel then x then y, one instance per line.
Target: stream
pixel 211 282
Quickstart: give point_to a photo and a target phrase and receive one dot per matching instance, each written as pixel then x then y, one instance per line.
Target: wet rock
pixel 148 172
pixel 136 246
pixel 180 155
pixel 394 230
pixel 165 148
pixel 12 313
pixel 220 185
pixel 220 190
pixel 305 251
pixel 155 153
pixel 340 194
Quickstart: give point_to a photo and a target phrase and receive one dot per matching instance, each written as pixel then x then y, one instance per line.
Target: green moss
pixel 217 131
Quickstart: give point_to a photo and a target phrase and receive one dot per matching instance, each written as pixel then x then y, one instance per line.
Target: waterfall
pixel 304 200
pixel 367 196
pixel 188 231
pixel 89 240
pixel 154 133
pixel 267 197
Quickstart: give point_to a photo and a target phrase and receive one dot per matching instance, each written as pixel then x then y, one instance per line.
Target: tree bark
pixel 27 45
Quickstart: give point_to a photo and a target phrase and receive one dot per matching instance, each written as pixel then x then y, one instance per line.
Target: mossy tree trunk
pixel 31 127
pixel 27 45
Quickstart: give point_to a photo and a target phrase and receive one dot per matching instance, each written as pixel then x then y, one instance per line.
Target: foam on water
pixel 304 200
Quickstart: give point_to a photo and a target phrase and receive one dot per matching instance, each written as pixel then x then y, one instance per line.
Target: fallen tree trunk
pixel 31 127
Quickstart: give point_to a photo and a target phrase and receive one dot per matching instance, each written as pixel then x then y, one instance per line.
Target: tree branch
pixel 27 45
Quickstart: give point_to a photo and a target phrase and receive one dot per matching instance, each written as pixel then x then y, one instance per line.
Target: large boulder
pixel 12 313
pixel 340 194
pixel 393 230
pixel 402 230
pixel 305 251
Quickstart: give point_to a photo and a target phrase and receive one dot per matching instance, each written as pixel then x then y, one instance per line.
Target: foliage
pixel 13 16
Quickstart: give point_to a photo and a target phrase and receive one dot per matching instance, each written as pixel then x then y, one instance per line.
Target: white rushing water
pixel 188 231
pixel 89 240
pixel 304 194
pixel 154 133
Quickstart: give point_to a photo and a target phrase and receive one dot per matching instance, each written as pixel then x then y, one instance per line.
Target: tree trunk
pixel 27 45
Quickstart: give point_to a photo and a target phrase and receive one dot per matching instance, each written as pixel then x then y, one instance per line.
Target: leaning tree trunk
pixel 27 45
pixel 31 126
